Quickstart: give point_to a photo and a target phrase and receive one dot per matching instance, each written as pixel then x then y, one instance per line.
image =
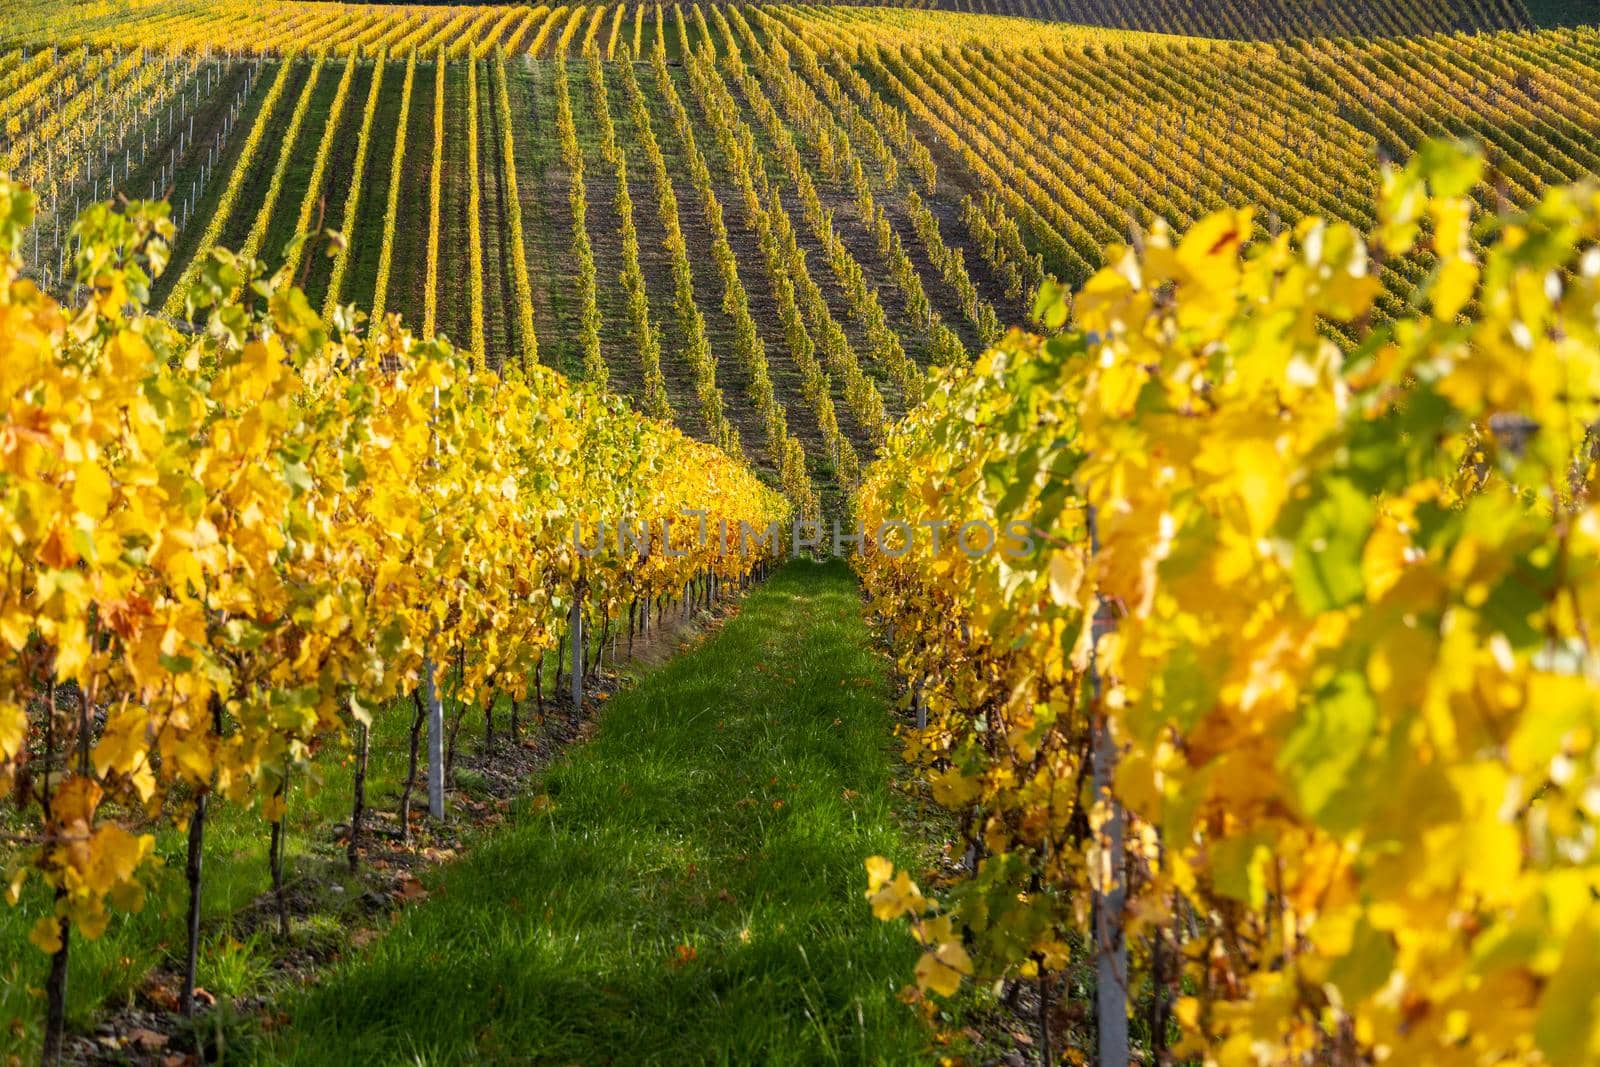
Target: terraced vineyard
pixel 531 182
pixel 1245 19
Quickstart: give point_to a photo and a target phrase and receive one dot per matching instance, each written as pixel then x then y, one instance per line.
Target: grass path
pixel 692 890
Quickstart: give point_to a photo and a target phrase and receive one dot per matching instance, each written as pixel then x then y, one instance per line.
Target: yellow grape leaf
pixel 1568 1027
pixel 91 922
pixel 1492 842
pixel 1346 296
pixel 1364 967
pixel 46 935
pixel 897 898
pixel 1137 786
pixel 879 871
pixel 122 744
pixel 15 628
pixel 1327 742
pixel 1454 286
pixel 127 354
pixel 1057 954
pixel 953 789
pixel 1451 219
pixel 13 729
pixel 110 292
pixel 91 490
pixel 1120 385
pixel 1210 248
pixel 194 756
pixel 1260 482
pixel 72 649
pixel 1384 558
pixel 1238 867
pixel 1401 204
pixel 1237 1051
pixel 1066 575
pixel 127 895
pixel 935 931
pixel 1557 705
pixel 1099 299
pixel 76 802
pixel 143 780
pixel 114 855
pixel 942 967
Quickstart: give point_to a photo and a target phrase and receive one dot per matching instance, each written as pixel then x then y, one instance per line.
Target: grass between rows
pixel 686 887
pixel 106 972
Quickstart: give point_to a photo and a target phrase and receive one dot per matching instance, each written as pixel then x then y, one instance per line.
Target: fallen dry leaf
pixel 162 995
pixel 148 1040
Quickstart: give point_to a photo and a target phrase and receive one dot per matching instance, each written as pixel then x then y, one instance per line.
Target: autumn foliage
pixel 227 548
pixel 1346 597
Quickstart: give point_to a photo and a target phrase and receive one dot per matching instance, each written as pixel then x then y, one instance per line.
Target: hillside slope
pixel 767 223
pixel 1267 19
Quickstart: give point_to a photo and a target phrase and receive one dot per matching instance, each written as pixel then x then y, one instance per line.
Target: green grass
pixel 546 221
pixel 366 234
pixel 104 973
pixel 286 209
pixel 455 280
pixel 692 894
pixel 328 214
pixel 186 245
pixel 409 270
